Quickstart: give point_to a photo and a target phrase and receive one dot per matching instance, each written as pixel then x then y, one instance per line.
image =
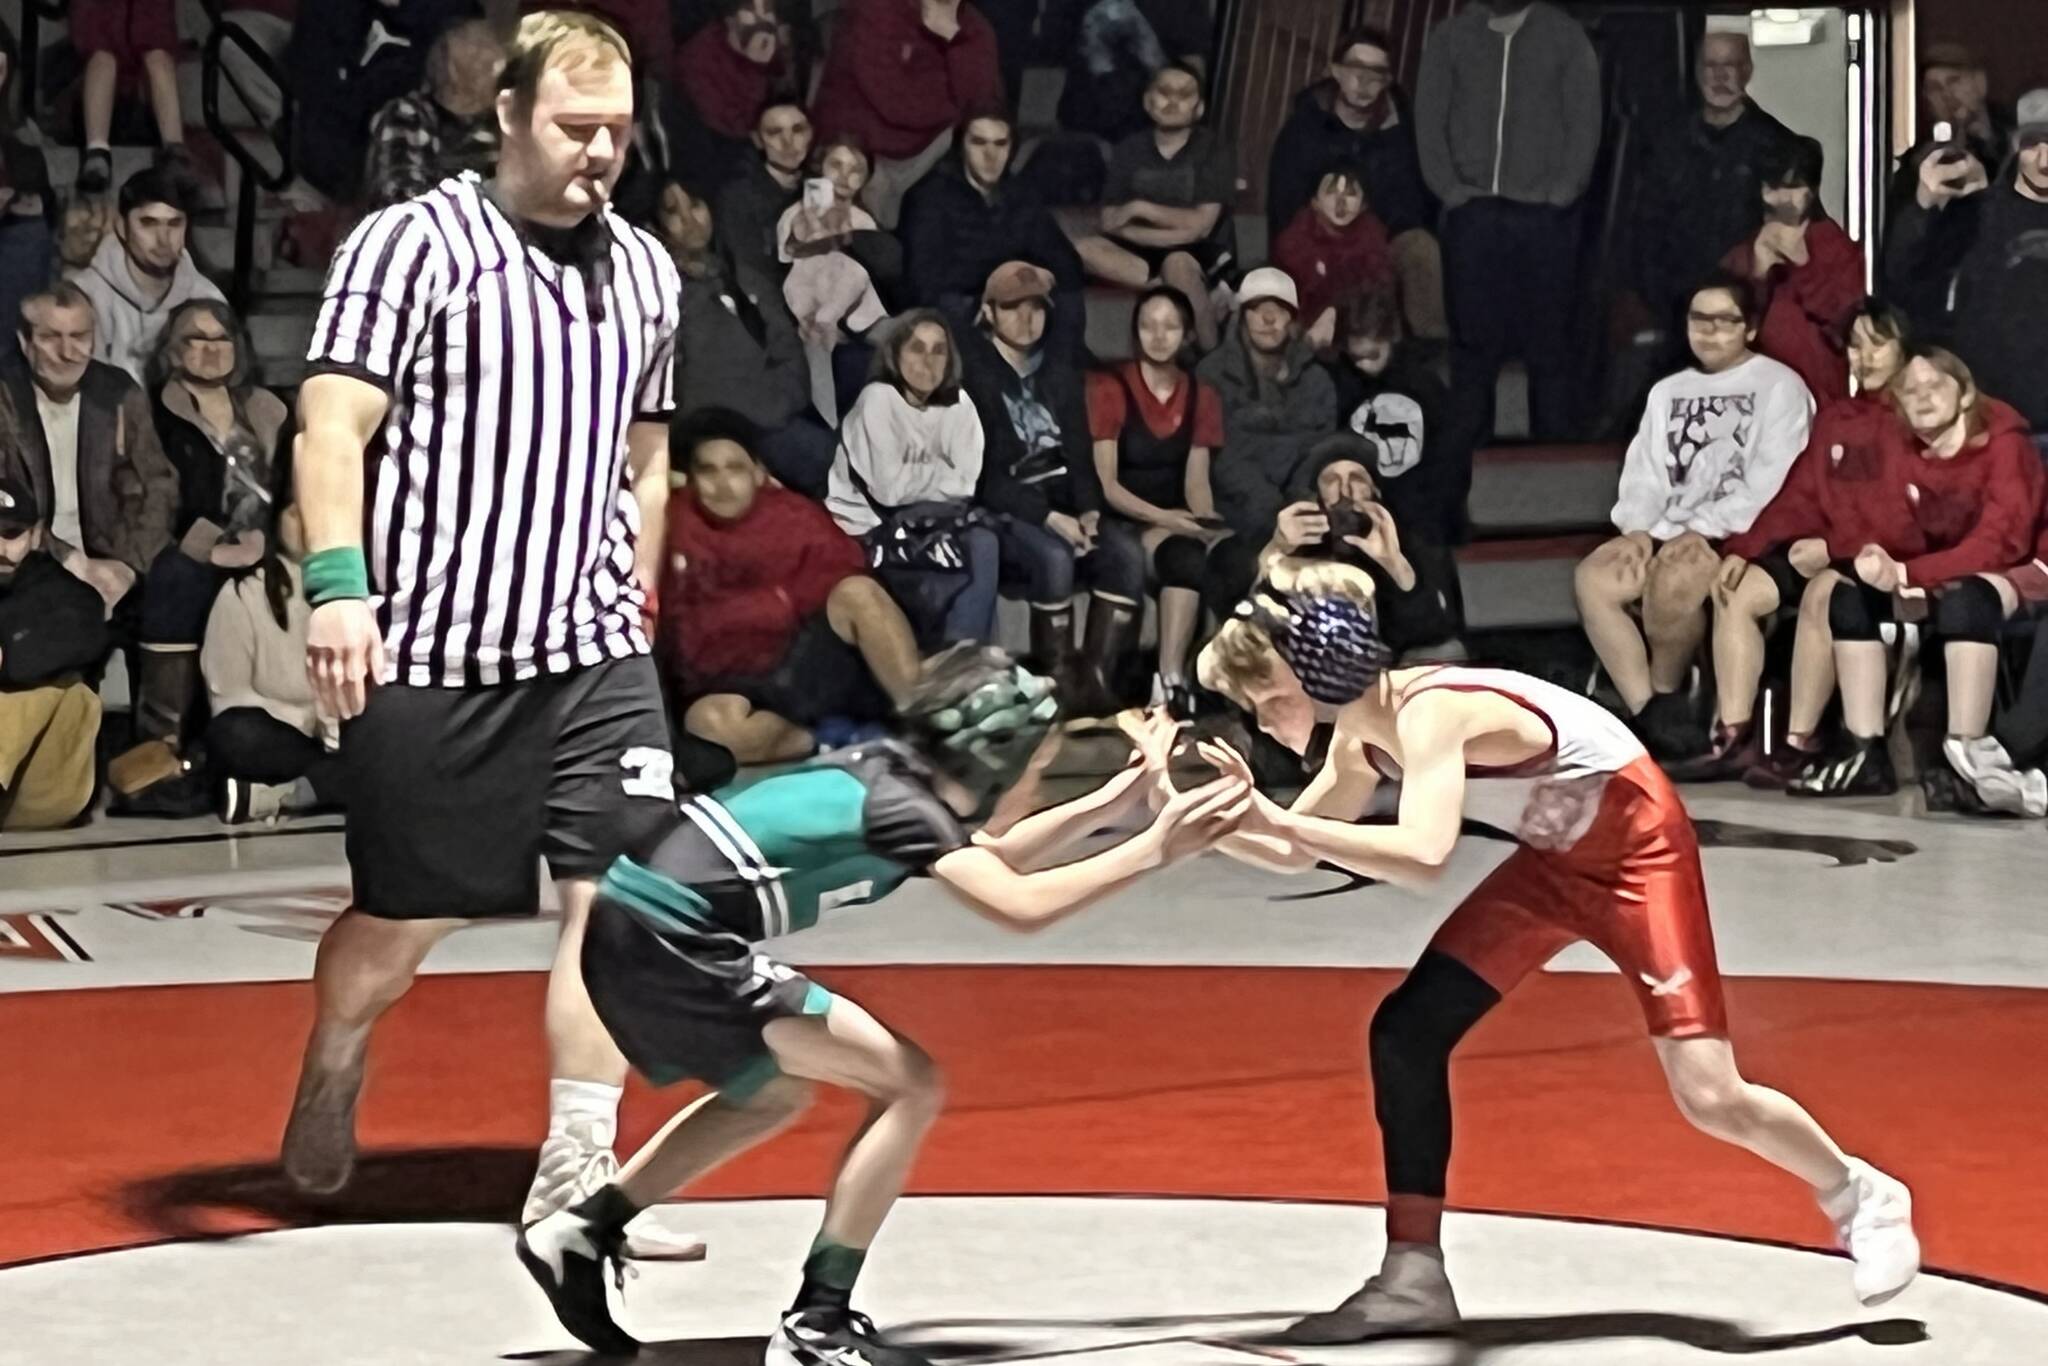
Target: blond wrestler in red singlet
pixel 1607 854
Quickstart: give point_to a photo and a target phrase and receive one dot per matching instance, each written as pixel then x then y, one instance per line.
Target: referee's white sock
pixel 591 1105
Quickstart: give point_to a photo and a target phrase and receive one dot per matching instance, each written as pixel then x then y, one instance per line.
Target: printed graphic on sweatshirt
pixel 1393 424
pixel 1710 432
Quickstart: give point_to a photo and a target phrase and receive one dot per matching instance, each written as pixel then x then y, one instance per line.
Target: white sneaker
pixel 247 803
pixel 1412 1294
pixel 1984 763
pixel 1873 1218
pixel 574 1166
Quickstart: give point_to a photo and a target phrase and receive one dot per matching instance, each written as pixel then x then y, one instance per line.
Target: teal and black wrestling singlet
pixel 670 958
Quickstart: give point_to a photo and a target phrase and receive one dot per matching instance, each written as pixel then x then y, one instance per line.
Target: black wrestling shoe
pixel 827 1337
pixel 566 1254
pixel 1860 768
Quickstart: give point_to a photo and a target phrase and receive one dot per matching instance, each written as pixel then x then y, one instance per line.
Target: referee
pixel 483 469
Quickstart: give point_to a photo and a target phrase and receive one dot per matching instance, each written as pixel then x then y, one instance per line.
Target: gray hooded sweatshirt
pixel 125 323
pixel 1510 115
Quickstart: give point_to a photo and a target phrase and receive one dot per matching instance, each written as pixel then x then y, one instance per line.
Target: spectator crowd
pixel 891 420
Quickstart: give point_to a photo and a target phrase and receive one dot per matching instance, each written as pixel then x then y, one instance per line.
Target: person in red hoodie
pixel 1335 250
pixel 1837 500
pixel 900 75
pixel 1970 473
pixel 722 78
pixel 770 623
pixel 1808 272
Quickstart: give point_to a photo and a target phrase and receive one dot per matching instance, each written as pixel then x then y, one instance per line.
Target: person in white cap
pixel 1277 402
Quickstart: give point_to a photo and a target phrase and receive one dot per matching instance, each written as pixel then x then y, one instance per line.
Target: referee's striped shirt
pixel 498 517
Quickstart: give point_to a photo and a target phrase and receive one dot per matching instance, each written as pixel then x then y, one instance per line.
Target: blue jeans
pixel 1047 567
pixel 972 613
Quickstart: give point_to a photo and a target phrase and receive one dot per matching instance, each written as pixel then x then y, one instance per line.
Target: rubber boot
pixel 1112 629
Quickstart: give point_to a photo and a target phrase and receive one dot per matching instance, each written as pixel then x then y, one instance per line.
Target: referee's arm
pixel 647 455
pixel 339 416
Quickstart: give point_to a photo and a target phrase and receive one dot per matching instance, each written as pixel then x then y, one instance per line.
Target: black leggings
pixel 1967 610
pixel 1413 1034
pixel 251 744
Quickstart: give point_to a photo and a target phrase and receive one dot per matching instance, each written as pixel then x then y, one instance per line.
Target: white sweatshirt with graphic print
pixel 1713 450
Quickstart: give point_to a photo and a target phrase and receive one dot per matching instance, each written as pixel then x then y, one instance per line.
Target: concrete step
pixel 1523 583
pixel 1543 489
pixel 280 336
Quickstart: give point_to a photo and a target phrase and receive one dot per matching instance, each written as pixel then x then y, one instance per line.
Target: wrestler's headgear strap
pixel 987 737
pixel 1331 642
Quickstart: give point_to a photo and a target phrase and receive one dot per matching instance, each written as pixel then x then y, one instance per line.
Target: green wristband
pixel 332 575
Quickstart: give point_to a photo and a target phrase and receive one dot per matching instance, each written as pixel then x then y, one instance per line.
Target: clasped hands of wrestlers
pixel 1198 816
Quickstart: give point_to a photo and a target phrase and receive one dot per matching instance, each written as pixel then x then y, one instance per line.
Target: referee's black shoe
pixel 566 1253
pixel 834 1337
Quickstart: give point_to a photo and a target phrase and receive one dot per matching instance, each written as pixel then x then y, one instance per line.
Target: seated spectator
pixel 1973 483
pixel 1696 195
pixel 131 42
pixel 909 460
pixel 830 293
pixel 1338 513
pixel 737 348
pixel 1985 239
pixel 141 272
pixel 52 630
pixel 1715 445
pixel 899 76
pixel 1839 497
pixel 1358 117
pixel 748 208
pixel 770 622
pixel 1167 201
pixel 970 216
pixel 221 433
pixel 271 750
pixel 1335 250
pixel 346 60
pixel 28 206
pixel 1392 399
pixel 1038 478
pixel 1277 402
pixel 723 77
pixel 1155 427
pixel 1113 49
pixel 1808 272
pixel 448 126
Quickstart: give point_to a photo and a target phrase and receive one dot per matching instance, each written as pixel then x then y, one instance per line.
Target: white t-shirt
pixel 1712 450
pixel 60 434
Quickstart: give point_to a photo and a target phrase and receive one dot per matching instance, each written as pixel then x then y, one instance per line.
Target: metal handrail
pixel 254 174
pixel 33 12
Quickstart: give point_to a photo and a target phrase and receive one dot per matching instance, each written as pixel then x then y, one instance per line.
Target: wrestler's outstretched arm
pixel 1433 732
pixel 1341 791
pixel 1191 821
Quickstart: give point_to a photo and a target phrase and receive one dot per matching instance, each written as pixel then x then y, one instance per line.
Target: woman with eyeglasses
pixel 1716 442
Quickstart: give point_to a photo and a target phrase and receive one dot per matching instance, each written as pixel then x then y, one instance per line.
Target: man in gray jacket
pixel 1507 123
pixel 1277 403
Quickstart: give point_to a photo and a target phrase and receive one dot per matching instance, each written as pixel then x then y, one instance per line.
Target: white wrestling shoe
pixel 1412 1294
pixel 2002 786
pixel 573 1167
pixel 1873 1217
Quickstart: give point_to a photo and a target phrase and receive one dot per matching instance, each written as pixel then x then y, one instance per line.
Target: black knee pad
pixel 1969 610
pixel 1849 614
pixel 1425 1016
pixel 1413 1035
pixel 1180 562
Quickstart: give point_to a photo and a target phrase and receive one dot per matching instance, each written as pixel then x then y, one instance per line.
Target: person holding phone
pixel 1155 427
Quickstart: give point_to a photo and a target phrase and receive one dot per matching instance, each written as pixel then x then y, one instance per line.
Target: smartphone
pixel 819 195
pixel 1947 150
pixel 1211 523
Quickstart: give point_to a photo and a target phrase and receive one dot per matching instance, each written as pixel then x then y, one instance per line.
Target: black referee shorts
pixel 456 794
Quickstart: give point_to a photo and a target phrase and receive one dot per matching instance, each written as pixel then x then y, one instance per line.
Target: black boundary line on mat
pixel 210 837
pixel 1962 1277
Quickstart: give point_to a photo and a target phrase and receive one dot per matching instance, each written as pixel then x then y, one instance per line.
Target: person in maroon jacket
pixel 1335 250
pixel 1837 500
pixel 900 75
pixel 769 621
pixel 1808 272
pixel 1969 471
